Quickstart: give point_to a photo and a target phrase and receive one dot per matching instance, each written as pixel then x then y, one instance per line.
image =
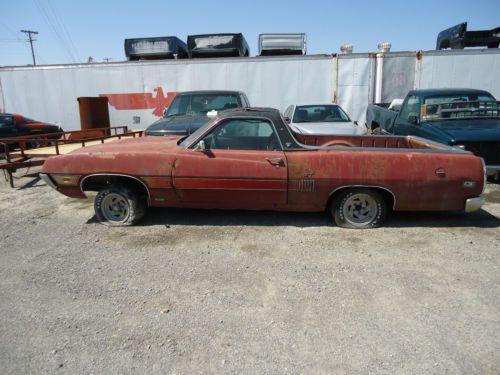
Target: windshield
pixel 200 104
pixel 319 113
pixel 460 106
pixel 187 140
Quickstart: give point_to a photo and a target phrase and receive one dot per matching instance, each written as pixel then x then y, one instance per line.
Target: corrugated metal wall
pixel 49 92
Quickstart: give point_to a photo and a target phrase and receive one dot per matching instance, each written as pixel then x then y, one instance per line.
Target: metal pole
pixel 31 40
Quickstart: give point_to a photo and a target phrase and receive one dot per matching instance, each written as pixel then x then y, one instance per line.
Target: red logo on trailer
pixel 142 101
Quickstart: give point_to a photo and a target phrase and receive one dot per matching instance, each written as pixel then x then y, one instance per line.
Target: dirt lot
pixel 193 291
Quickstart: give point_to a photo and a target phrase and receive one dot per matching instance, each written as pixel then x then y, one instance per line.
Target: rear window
pixel 457 98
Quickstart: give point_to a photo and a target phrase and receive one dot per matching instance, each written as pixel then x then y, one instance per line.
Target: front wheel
pixel 117 205
pixel 359 208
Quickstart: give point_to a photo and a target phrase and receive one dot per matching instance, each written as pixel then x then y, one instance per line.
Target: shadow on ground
pixel 179 216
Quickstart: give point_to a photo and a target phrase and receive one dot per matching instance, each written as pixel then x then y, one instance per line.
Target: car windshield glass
pixel 187 140
pixel 460 106
pixel 6 120
pixel 200 104
pixel 319 113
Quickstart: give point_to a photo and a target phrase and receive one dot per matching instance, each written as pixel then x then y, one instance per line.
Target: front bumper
pixel 474 204
pixel 46 178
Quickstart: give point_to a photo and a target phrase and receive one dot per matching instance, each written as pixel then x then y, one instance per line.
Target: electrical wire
pixel 64 44
pixel 62 26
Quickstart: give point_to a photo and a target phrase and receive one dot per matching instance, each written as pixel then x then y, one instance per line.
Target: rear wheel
pixel 359 208
pixel 118 205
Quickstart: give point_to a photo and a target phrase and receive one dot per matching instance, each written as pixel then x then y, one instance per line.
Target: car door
pixel 242 166
pixel 402 125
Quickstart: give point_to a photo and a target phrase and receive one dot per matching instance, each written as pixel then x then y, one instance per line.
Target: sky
pixel 71 31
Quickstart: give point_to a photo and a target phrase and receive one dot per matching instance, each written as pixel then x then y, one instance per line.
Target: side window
pixel 243 134
pixel 6 121
pixel 410 108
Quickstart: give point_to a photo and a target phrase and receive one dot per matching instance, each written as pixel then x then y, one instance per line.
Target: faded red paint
pixel 142 101
pixel 303 180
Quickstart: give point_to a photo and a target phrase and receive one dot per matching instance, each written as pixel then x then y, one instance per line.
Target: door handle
pixel 277 162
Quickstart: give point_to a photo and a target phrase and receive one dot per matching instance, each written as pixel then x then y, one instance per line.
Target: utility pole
pixel 107 59
pixel 30 33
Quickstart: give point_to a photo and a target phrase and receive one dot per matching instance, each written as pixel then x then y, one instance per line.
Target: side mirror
pixel 200 146
pixel 356 123
pixel 287 119
pixel 413 120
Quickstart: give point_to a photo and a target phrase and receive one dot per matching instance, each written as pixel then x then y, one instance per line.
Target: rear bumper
pixel 474 204
pixel 492 170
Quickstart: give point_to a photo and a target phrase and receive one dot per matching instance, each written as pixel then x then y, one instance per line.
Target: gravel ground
pixel 193 291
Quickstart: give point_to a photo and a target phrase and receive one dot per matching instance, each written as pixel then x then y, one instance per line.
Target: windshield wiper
pixel 179 114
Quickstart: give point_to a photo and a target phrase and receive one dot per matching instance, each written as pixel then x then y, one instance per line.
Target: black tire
pixel 118 205
pixel 359 208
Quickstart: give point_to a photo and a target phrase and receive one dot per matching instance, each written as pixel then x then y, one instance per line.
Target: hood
pixel 130 146
pixel 145 156
pixel 181 125
pixel 470 130
pixel 329 128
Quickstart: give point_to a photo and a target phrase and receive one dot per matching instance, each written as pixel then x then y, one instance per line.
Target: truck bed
pixel 368 141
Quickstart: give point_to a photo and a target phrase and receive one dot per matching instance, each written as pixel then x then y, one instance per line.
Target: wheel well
pixel 99 182
pixel 374 125
pixel 386 194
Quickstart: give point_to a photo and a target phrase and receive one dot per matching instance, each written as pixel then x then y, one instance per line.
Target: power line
pixel 52 24
pixel 64 30
pixel 30 34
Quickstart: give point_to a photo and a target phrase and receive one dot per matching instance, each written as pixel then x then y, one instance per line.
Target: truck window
pixel 457 98
pixel 410 108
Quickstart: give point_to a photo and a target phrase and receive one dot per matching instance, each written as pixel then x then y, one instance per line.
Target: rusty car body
pixel 250 159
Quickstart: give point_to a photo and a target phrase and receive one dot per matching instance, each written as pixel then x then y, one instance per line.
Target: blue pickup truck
pixel 465 118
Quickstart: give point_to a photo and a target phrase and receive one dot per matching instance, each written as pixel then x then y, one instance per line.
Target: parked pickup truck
pixel 457 37
pixel 188 111
pixel 249 159
pixel 464 118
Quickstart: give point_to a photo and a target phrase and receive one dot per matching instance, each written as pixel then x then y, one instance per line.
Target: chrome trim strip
pixel 485 175
pixel 46 178
pixel 119 175
pixel 366 186
pixel 474 204
pixel 237 189
pixel 229 179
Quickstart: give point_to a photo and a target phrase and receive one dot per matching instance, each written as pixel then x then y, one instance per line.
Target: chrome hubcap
pixel 115 207
pixel 360 209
